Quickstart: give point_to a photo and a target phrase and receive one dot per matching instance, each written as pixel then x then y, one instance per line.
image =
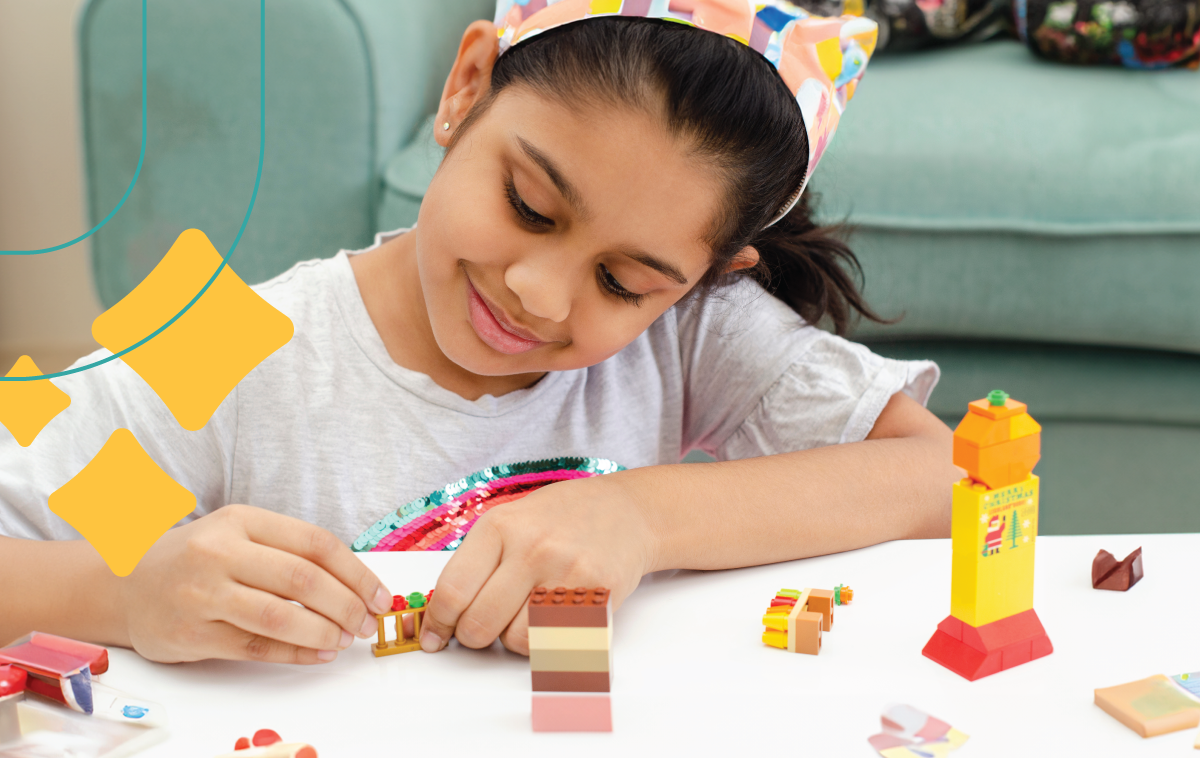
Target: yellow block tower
pixel 992 625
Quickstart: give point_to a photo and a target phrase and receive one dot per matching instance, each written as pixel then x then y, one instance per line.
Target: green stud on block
pixel 997 397
pixel 415 600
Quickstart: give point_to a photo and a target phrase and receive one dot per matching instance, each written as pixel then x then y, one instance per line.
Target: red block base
pixel 976 652
pixel 572 712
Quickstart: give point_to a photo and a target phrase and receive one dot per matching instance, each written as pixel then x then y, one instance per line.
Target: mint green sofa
pixel 1037 226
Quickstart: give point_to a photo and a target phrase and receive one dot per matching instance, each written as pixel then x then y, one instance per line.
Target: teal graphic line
pixel 262 140
pixel 136 173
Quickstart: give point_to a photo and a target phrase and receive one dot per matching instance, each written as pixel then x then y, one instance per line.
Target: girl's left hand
pixel 578 533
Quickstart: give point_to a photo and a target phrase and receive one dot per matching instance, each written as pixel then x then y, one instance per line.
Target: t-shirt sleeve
pixel 760 381
pixel 103 400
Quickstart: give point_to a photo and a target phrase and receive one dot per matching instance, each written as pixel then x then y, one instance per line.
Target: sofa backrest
pixel 347 82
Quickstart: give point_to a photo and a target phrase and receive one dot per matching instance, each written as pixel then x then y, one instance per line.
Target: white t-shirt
pixel 330 430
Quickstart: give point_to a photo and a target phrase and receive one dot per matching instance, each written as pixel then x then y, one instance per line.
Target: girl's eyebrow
pixel 565 188
pixel 662 267
pixel 571 195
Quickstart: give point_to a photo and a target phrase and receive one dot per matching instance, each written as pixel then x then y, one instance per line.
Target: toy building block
pixel 570 658
pixel 572 712
pixel 1110 574
pixel 842 595
pixel 992 625
pixel 12 681
pixel 796 618
pixel 1150 706
pixel 413 605
pixel 267 743
pixel 58 668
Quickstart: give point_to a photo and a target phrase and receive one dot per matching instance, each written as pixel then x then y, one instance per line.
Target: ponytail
pixel 812 270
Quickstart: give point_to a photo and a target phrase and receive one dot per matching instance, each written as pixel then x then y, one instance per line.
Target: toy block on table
pixel 58 668
pixel 572 712
pixel 266 743
pixel 992 625
pixel 12 681
pixel 1110 574
pixel 570 659
pixel 413 605
pixel 1150 706
pixel 796 619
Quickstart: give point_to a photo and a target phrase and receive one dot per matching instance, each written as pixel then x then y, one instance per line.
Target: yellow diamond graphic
pixel 26 407
pixel 122 502
pixel 197 361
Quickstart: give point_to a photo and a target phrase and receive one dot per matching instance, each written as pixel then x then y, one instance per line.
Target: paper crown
pixel 820 59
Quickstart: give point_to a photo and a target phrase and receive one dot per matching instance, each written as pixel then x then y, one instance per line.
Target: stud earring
pixel 446 127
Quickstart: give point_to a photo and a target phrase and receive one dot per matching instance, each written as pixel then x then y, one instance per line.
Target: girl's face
pixel 551 237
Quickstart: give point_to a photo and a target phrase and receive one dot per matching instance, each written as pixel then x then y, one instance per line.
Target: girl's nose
pixel 545 291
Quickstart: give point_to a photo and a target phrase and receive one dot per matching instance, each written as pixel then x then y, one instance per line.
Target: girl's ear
pixel 747 257
pixel 469 79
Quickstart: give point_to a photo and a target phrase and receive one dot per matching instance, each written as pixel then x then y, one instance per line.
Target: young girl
pixel 611 262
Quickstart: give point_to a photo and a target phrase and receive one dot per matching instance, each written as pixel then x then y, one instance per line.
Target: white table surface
pixel 692 677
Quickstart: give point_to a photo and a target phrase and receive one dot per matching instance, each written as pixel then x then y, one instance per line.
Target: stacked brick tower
pixel 992 625
pixel 570 654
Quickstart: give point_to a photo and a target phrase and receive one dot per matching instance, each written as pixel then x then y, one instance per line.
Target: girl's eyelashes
pixel 538 222
pixel 609 282
pixel 525 214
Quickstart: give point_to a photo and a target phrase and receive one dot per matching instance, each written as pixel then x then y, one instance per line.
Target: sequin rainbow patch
pixel 441 519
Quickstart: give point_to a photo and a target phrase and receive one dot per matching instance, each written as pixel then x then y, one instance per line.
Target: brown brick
pixel 572 681
pixel 570 607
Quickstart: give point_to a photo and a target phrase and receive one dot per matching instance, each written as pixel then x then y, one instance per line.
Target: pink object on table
pixel 51 655
pixel 12 680
pixel 571 712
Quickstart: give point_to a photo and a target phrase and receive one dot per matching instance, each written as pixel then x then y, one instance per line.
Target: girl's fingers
pixel 232 643
pixel 495 607
pixel 265 615
pixel 516 636
pixel 459 583
pixel 320 547
pixel 295 578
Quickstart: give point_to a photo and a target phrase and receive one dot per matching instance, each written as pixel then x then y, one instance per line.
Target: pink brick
pixel 569 712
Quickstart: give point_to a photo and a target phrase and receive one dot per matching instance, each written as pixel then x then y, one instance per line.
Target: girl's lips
pixel 494 332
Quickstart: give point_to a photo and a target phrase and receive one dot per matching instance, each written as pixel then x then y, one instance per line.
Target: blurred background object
pixel 1142 34
pixel 47 302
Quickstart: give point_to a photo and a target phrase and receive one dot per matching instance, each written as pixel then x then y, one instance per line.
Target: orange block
pixel 821 601
pixel 997 442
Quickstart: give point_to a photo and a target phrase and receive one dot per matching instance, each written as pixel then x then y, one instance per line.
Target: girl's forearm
pixel 61 588
pixel 795 505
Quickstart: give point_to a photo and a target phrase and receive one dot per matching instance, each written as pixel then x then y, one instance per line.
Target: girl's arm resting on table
pixel 893 485
pixel 217 587
pixel 611 530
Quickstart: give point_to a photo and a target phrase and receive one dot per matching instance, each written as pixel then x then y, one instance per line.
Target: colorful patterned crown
pixel 820 59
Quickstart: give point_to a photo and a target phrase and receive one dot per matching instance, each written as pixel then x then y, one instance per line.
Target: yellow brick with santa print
pixel 994 534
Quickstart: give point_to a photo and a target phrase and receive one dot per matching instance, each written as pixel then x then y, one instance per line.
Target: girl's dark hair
pixel 731 105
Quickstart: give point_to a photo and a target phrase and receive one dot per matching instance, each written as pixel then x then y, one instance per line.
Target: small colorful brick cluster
pixel 570 655
pixel 441 519
pixel 796 619
pixel 266 743
pixel 412 604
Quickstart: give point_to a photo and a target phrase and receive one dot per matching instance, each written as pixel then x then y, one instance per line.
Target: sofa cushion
pixel 1001 196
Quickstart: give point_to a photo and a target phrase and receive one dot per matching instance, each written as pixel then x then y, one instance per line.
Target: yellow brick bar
pixel 994 534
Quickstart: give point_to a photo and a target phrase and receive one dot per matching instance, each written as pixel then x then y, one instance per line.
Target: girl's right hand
pixel 219 587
